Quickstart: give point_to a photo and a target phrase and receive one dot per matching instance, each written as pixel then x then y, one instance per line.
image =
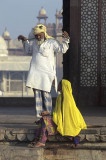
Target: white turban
pixel 41 28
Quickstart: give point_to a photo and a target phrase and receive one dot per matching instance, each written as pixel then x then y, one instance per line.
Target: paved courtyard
pixel 25 116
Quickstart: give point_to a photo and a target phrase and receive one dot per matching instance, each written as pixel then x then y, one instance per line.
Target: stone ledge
pixel 67 145
pixel 27 135
pixel 58 145
pixel 59 151
pixel 83 152
pixel 20 153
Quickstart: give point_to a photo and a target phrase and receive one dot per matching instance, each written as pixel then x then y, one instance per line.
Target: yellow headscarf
pixel 66 115
pixel 41 28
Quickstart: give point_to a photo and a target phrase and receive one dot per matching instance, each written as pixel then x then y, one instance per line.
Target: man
pixel 42 70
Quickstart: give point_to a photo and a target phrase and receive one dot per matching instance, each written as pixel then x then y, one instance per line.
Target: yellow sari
pixel 66 115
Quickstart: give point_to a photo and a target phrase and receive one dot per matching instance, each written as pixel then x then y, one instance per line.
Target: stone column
pixel 71 24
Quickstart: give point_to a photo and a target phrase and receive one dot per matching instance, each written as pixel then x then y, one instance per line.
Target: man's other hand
pixel 21 37
pixel 65 35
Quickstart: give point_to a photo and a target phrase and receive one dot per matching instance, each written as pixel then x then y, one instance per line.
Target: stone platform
pixel 14 145
pixel 17 129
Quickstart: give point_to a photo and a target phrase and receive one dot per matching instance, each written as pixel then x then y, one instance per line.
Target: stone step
pixel 59 151
pixel 8 152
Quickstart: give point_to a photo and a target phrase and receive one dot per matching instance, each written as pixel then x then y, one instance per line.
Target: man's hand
pixel 21 37
pixel 65 35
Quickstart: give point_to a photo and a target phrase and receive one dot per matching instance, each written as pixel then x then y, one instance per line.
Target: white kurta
pixel 42 70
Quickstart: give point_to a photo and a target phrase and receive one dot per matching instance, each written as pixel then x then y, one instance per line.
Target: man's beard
pixel 39 42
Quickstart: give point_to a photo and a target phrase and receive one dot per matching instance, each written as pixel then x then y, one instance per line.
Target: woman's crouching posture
pixel 66 120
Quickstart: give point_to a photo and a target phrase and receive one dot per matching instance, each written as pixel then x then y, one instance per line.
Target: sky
pixel 19 16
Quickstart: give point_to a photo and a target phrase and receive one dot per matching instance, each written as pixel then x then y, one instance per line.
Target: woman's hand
pixel 44 113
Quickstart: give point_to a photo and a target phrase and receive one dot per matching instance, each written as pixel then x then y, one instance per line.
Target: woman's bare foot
pixel 38 144
pixel 32 144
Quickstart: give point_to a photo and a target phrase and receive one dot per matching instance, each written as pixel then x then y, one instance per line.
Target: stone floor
pixel 25 116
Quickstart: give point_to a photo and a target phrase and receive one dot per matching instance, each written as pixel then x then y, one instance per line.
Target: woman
pixel 67 119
